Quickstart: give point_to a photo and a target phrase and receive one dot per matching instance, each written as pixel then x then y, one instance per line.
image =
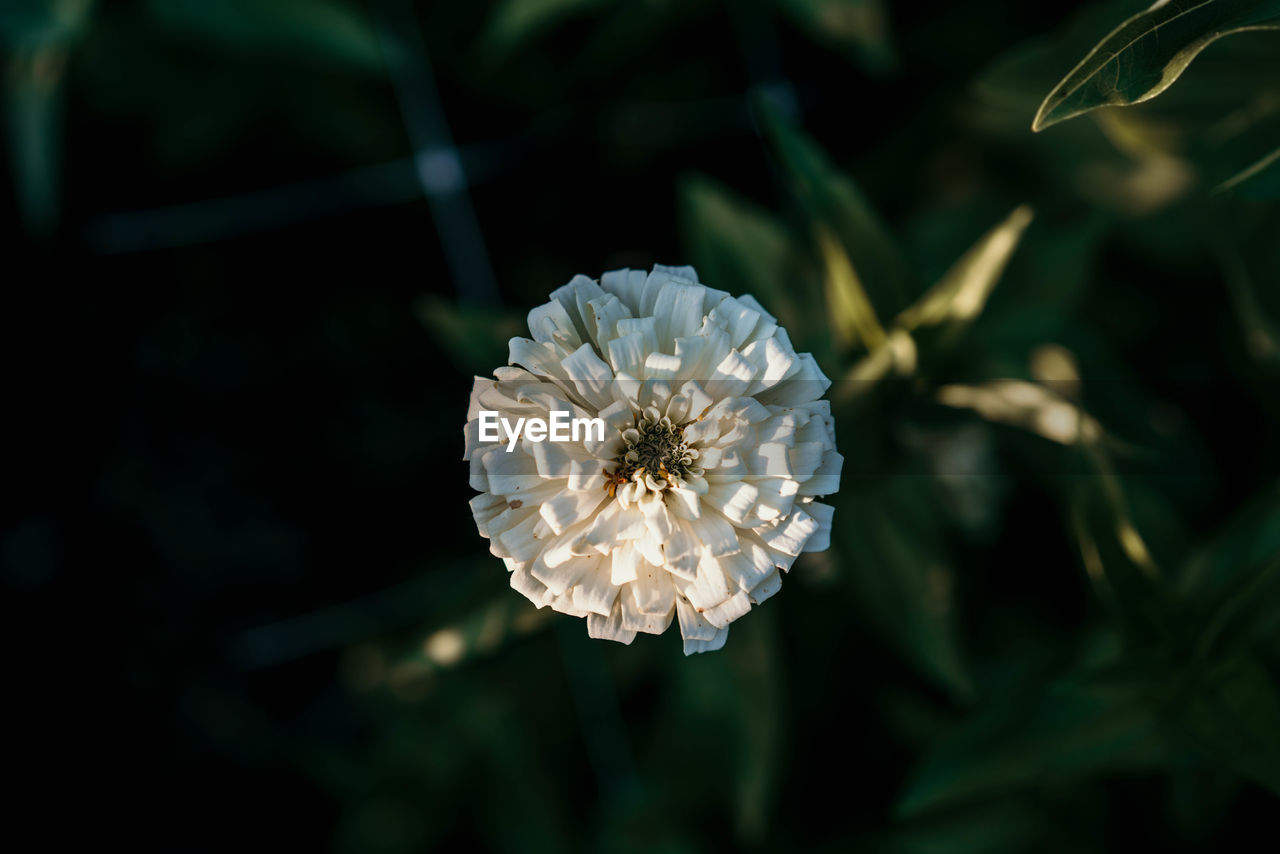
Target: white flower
pixel 704 488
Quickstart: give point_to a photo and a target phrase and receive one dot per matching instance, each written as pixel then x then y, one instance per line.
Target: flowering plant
pixel 704 485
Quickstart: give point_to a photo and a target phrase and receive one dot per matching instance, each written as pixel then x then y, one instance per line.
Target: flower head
pixel 700 489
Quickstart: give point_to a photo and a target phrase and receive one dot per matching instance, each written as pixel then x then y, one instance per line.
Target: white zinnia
pixel 705 485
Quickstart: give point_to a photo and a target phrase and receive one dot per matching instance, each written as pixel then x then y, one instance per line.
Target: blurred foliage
pixel 1050 616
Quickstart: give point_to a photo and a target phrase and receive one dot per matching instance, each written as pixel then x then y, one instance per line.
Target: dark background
pixel 240 338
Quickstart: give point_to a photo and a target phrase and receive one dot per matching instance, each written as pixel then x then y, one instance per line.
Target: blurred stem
pixel 439 167
pixel 597 704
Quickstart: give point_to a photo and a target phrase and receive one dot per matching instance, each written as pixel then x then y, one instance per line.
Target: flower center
pixel 655 448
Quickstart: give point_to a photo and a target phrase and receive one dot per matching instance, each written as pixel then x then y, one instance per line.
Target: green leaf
pixel 325 30
pixel 960 295
pixel 36 23
pixel 739 247
pixel 859 27
pixel 1070 731
pixel 1232 713
pixel 35 90
pixel 515 22
pixel 1251 537
pixel 834 203
pixel 892 545
pixel 475 339
pixel 1117 558
pixel 1014 824
pixel 1231 586
pixel 1146 54
pixel 853 318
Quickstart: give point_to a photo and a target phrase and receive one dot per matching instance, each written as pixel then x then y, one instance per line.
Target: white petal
pixel 772 361
pixel 729 610
pixel 632 524
pixel 781 427
pixel 485 508
pixel 574 297
pixel 610 627
pixel 564 574
pixel 826 479
pixel 693 626
pixel 626 353
pixel 602 533
pixel 736 318
pixel 732 376
pixel 519 541
pixel 700 400
pixel 592 376
pixel 551 324
pixel 717 642
pixel 789 535
pixel 511 474
pixel 710 588
pixel 682 549
pixel 768 458
pixel 652 590
pixel 570 508
pixel 661 366
pixel 804 460
pixel 624 561
pixel 733 499
pixel 601 317
pixel 594 592
pixel 771 585
pixel 804 384
pixel 656 516
pixel 684 274
pixel 820 540
pixel 684 502
pixel 774 498
pixel 530 588
pixel 650 547
pixel 626 285
pixel 679 311
pixel 749 567
pixel 715 534
pixel 638 621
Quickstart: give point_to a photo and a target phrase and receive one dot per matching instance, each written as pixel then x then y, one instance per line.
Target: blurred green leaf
pixel 961 294
pixel 1252 536
pixel 760 714
pixel 1117 559
pixel 892 543
pixel 740 248
pixel 1013 825
pixel 853 318
pixel 35 85
pixel 1232 712
pixel 323 30
pixel 515 22
pixel 1261 331
pixel 475 339
pixel 832 201
pixel 36 23
pixel 39 34
pixel 1047 280
pixel 860 27
pixel 1231 585
pixel 1070 731
pixel 1146 54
